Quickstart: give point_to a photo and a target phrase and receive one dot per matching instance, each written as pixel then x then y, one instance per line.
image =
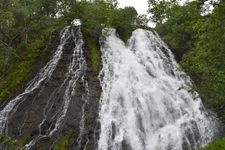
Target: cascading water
pixel 44 74
pixel 76 71
pixel 145 101
pixel 53 92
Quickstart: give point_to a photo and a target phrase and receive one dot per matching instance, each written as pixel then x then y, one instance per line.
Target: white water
pixel 85 99
pixel 76 70
pixel 42 76
pixel 145 102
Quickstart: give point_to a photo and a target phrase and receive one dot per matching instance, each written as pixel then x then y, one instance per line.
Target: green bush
pixel 215 145
pixel 63 142
pixel 11 143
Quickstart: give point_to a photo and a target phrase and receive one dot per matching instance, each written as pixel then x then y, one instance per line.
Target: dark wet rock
pixel 113 130
pixel 126 145
pixel 31 112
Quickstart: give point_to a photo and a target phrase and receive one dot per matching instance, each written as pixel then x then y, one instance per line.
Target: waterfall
pixel 43 75
pixel 54 86
pixel 76 71
pixel 146 101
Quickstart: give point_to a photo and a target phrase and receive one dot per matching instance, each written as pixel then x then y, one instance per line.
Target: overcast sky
pixel 140 5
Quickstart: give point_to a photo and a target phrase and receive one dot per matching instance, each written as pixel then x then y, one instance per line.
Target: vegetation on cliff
pixel 215 145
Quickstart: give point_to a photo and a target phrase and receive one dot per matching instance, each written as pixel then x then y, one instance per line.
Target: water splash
pixel 146 103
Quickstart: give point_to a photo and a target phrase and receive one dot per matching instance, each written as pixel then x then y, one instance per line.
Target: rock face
pixel 61 100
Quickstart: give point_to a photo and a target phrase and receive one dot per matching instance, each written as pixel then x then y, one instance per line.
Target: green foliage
pixel 142 20
pixel 196 40
pixel 158 10
pixel 123 20
pixel 198 43
pixel 63 142
pixel 215 145
pixel 11 143
pixel 205 63
pixel 107 16
pixel 17 75
pixel 21 58
pixel 25 28
pixel 93 52
pixel 178 31
pixel 26 25
pixel 24 140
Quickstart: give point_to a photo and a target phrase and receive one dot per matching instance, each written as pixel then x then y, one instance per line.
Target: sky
pixel 140 5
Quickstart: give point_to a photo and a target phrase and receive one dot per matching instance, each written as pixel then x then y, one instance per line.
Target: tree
pixel 179 29
pixel 158 10
pixel 142 20
pixel 112 3
pixel 205 62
